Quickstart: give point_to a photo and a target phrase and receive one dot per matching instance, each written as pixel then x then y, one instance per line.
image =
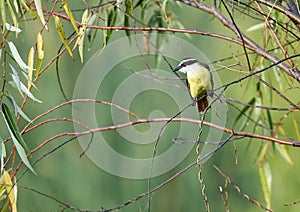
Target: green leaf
pixel 3 15
pixel 22 154
pixel 12 13
pixel 20 150
pixel 27 92
pixel 91 33
pixel 128 11
pixel 156 19
pixel 140 2
pixel 31 83
pixel 270 120
pixel 16 79
pixel 17 56
pixel 16 108
pixel 39 63
pixel 262 152
pixel 278 77
pixel 62 35
pixel 14 104
pixel 111 20
pixel 5 207
pixel 166 6
pixel 10 122
pixel 39 9
pixel 17 6
pixel 265 176
pixel 266 77
pixel 3 152
pixel 16 136
pixel 31 12
pixel 243 111
pixel 256 27
pixel 270 125
pixel 284 152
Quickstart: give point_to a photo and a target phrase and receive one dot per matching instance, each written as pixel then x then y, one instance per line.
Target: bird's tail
pixel 202 104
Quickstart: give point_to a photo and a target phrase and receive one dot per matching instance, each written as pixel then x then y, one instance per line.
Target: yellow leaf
pixel 3 14
pixel 69 14
pixel 30 64
pixel 81 34
pixel 283 149
pixel 10 191
pixel 62 35
pixel 262 153
pixel 296 128
pixel 40 46
pixel 265 176
pixel 41 53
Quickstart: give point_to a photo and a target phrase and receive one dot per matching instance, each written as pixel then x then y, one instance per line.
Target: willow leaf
pixel 3 14
pixel 80 39
pixel 17 144
pixel 265 176
pixel 12 13
pixel 11 124
pixel 70 15
pixel 39 9
pixel 30 61
pixel 62 35
pixel 10 191
pixel 17 56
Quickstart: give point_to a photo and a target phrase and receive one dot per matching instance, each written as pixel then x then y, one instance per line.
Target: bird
pixel 199 81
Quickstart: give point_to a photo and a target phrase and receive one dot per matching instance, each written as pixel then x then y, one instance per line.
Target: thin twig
pixel 253 201
pixel 250 44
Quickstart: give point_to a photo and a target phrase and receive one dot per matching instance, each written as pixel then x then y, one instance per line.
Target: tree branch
pixel 291 71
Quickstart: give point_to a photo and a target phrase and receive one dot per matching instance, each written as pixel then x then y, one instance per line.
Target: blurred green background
pixel 78 182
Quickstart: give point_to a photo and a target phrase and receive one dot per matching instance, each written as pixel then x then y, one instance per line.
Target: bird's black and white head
pixel 189 64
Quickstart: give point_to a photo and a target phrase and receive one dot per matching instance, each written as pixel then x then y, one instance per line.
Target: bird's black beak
pixel 177 68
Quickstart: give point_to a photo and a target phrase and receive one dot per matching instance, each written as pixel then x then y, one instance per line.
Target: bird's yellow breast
pixel 197 88
pixel 199 82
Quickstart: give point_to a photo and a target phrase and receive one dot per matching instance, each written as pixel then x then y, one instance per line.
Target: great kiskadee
pixel 199 80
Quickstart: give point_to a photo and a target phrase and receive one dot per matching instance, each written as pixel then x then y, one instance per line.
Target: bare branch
pixel 291 71
pixel 255 202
